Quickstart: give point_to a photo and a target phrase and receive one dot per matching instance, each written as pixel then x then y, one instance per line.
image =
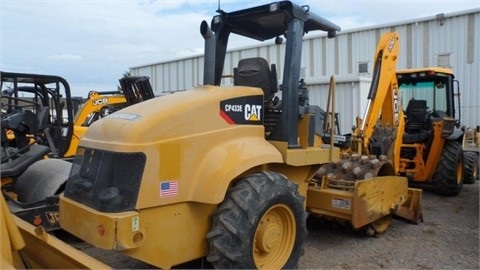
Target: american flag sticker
pixel 168 189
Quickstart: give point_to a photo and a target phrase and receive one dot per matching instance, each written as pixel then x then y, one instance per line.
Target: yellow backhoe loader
pixel 432 151
pixel 221 172
pixel 358 166
pixel 423 139
pixel 133 90
pixel 96 106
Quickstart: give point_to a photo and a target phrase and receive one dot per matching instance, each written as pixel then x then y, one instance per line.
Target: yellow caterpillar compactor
pixel 40 135
pixel 37 130
pixel 224 172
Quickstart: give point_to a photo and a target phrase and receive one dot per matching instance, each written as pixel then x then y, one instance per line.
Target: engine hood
pixel 181 114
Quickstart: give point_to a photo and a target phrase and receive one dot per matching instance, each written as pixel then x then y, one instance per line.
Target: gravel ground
pixel 447 239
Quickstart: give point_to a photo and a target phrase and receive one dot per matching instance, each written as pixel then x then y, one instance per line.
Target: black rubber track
pixel 444 179
pixel 471 167
pixel 237 218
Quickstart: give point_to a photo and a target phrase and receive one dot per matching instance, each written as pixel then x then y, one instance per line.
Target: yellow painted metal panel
pixel 163 236
pixel 330 202
pixel 370 200
pixel 377 197
pixel 104 230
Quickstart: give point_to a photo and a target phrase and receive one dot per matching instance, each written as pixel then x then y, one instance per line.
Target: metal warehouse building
pixel 446 40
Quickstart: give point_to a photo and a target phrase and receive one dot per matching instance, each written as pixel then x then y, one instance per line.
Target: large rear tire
pixel 260 224
pixel 471 167
pixel 44 178
pixel 448 177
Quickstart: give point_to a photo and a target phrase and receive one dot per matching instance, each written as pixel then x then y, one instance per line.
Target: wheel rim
pixel 459 172
pixel 475 169
pixel 274 238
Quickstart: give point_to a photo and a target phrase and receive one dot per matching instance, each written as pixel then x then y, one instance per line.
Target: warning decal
pixel 243 110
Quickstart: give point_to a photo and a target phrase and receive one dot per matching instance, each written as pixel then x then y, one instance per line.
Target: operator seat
pixel 416 115
pixel 415 126
pixel 255 72
pixel 43 116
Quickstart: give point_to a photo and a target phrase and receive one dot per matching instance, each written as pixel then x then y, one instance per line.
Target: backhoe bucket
pixel 411 210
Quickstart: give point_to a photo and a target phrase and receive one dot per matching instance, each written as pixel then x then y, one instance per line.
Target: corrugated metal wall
pixel 451 40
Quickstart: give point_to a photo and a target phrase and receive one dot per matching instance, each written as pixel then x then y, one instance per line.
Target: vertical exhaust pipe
pixel 209 54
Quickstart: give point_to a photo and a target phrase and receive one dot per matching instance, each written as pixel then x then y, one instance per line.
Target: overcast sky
pixel 91 43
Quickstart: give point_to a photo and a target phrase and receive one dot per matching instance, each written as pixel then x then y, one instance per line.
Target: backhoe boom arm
pixel 383 97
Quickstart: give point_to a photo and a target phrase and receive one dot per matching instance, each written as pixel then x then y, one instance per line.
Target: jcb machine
pixel 370 152
pixel 134 89
pixel 431 151
pixel 96 106
pixel 423 138
pixel 221 172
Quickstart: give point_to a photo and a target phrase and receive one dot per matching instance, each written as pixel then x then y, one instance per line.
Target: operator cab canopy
pixel 259 23
pixel 270 21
